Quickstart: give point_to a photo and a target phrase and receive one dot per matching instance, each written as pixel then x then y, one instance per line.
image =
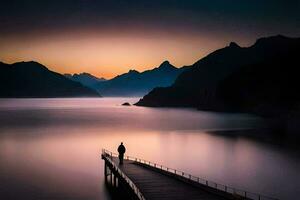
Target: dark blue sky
pixel 282 16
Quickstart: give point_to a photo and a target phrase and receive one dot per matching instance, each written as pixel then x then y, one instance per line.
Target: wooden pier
pixel 141 180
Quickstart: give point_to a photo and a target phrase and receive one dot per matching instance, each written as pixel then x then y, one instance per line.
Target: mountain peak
pixel 85 74
pixel 133 71
pixel 85 79
pixel 166 65
pixel 276 43
pixel 272 39
pixel 166 62
pixel 30 64
pixel 2 63
pixel 234 45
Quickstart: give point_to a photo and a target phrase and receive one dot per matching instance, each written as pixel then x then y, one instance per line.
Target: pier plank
pixel 159 186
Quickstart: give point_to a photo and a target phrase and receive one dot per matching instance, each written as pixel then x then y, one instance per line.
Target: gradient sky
pixel 109 37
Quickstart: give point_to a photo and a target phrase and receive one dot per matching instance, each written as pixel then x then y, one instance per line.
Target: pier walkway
pixel 146 180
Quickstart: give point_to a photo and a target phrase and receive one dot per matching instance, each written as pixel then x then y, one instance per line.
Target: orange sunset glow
pixel 107 38
pixel 107 54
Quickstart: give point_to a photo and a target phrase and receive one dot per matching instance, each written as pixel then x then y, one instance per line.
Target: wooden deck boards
pixel 158 186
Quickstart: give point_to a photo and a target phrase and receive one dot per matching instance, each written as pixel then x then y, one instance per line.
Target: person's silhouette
pixel 121 150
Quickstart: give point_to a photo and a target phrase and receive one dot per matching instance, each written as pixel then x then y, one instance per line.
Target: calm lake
pixel 50 148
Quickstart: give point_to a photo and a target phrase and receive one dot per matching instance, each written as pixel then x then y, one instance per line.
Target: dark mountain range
pixel 31 79
pixel 261 78
pixel 135 83
pixel 85 79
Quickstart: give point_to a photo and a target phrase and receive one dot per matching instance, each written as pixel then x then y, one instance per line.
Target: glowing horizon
pixel 109 54
pixel 108 38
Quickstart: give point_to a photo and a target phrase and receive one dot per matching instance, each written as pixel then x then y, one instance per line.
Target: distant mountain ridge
pixel 134 83
pixel 257 79
pixel 85 79
pixel 32 79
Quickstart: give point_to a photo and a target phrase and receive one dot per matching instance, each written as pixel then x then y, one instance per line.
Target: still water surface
pixel 50 148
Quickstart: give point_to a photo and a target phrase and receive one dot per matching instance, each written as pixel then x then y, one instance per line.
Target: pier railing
pixel 221 187
pixel 108 155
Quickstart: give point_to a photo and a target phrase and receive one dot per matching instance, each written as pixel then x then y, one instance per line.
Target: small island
pixel 126 104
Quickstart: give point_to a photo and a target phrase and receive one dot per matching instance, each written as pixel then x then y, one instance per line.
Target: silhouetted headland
pixel 32 79
pixel 260 79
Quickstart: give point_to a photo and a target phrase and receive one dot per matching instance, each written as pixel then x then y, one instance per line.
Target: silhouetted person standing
pixel 121 150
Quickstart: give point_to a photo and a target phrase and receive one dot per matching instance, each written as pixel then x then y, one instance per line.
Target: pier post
pixel 115 181
pixel 105 171
pixel 111 176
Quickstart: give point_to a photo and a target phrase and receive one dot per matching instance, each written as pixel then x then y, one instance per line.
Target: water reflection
pixel 51 148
